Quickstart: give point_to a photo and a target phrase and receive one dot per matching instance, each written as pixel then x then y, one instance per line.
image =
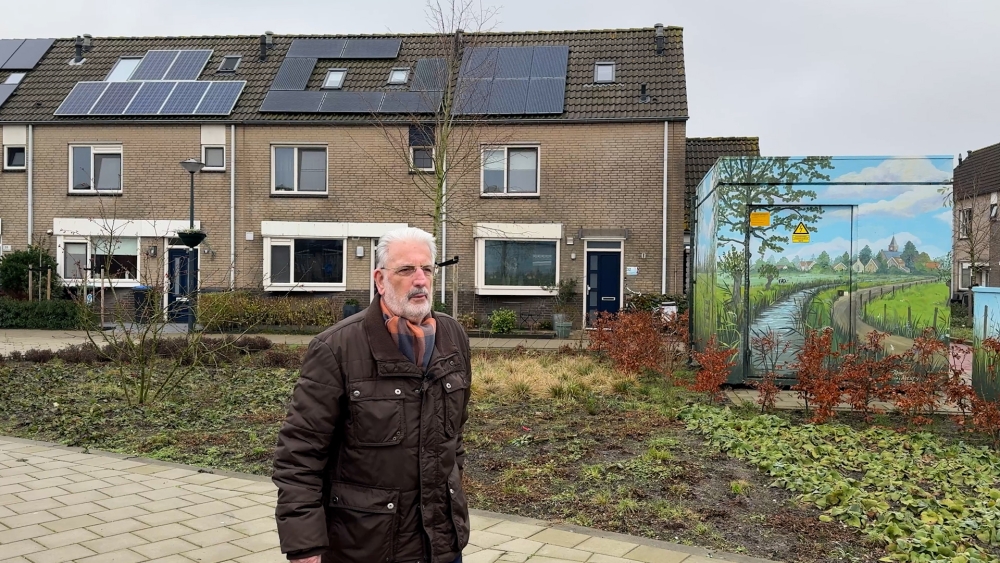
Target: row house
pixel 976 234
pixel 548 156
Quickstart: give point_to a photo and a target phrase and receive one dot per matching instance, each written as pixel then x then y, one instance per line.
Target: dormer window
pixel 123 69
pixel 335 78
pixel 604 72
pixel 399 75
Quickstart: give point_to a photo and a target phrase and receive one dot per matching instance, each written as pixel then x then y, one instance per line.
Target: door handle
pixel 607 298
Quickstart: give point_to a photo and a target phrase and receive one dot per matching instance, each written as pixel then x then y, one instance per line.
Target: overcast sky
pixel 885 77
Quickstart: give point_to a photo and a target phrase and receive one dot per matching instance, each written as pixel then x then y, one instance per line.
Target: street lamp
pixel 192 165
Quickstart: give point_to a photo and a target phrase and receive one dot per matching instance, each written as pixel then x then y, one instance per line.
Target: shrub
pixel 918 395
pixel 281 357
pixel 716 364
pixel 55 314
pixel 503 321
pixel 868 374
pixel 818 378
pixel 86 353
pixel 631 339
pixel 39 356
pixel 651 301
pixel 468 320
pixel 14 271
pixel 239 310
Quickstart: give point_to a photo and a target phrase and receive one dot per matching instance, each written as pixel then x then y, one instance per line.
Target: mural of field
pixel 786 245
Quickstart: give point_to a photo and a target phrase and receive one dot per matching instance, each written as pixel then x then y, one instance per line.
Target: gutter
pixel 232 207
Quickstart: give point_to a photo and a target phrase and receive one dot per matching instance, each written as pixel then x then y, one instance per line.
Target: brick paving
pixel 60 505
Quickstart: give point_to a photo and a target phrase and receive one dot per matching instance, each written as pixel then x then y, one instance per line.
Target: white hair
pixel 407 234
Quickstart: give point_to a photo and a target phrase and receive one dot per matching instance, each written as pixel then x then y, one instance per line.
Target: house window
pixel 518 264
pixel 399 75
pixel 14 158
pixel 95 169
pixel 981 277
pixel 299 169
pixel 604 72
pixel 214 157
pixel 510 171
pixel 964 222
pixel 113 258
pixel 14 78
pixel 993 212
pixel 123 69
pixel 422 158
pixel 229 63
pixel 335 78
pixel 306 263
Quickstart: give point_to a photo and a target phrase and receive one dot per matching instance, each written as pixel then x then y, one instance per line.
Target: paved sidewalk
pixel 58 505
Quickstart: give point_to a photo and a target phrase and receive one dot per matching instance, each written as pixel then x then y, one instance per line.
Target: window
pixel 399 75
pixel 524 264
pixel 981 276
pixel 123 69
pixel 213 157
pixel 307 263
pixel 993 212
pixel 422 158
pixel 964 222
pixel 95 169
pixel 299 169
pixel 604 72
pixel 335 78
pixel 14 78
pixel 14 158
pixel 510 171
pixel 229 63
pixel 86 259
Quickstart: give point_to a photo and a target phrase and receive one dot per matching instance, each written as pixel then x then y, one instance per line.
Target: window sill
pixel 16 170
pixel 108 284
pixel 94 193
pixel 421 170
pixel 305 195
pixel 515 291
pixel 305 287
pixel 206 169
pixel 527 196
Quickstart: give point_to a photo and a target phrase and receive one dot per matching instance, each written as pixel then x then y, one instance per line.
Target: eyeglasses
pixel 407 271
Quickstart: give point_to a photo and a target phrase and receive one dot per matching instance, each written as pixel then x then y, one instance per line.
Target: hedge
pixel 235 310
pixel 55 314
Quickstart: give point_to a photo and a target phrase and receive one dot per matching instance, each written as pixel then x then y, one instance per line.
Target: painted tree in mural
pixel 733 263
pixel 769 271
pixel 865 255
pixel 909 254
pixel 824 260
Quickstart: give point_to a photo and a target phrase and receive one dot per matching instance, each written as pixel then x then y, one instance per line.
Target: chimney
pixel 659 39
pixel 79 50
pixel 263 47
pixel 269 39
pixel 88 42
pixel 458 42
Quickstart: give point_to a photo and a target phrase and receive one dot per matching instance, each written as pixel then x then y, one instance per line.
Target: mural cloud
pixel 892 172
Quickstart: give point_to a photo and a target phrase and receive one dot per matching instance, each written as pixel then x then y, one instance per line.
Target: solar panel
pixel 294 73
pixel 429 74
pixel 220 98
pixel 508 96
pixel 28 54
pixel 154 65
pixel 387 48
pixel 513 62
pixel 188 65
pixel 411 102
pixel 472 95
pixel 479 62
pixel 292 101
pixel 351 102
pixel 5 91
pixel 116 98
pixel 317 48
pixel 546 95
pixel 7 48
pixel 549 62
pixel 185 98
pixel 82 98
pixel 150 98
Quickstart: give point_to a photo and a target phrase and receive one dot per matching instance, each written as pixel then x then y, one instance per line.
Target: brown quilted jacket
pixel 370 457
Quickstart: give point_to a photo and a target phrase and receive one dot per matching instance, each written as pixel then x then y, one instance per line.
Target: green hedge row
pixel 55 314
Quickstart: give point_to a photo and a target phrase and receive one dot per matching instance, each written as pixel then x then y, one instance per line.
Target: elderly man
pixel 370 457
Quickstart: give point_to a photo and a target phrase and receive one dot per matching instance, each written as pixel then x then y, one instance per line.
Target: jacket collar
pixel 390 360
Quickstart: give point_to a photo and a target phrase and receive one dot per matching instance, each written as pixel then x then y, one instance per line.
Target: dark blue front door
pixel 604 278
pixel 178 307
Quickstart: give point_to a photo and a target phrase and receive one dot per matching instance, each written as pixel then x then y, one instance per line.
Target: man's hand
pixel 313 559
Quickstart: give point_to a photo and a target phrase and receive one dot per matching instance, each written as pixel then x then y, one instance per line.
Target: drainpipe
pixel 663 223
pixel 31 178
pixel 232 207
pixel 444 223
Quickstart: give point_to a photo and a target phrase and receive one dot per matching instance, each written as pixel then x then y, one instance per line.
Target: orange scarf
pixel 415 341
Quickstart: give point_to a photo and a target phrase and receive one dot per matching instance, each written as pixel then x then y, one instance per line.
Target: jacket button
pixel 452 491
pixel 451 362
pixel 398 392
pixel 447 385
pixel 357 393
pixel 390 506
pixel 335 499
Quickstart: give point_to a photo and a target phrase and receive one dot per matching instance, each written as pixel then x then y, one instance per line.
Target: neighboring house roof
pixel 839 266
pixel 979 173
pixel 806 264
pixel 18 57
pixel 632 50
pixel 702 152
pixel 889 255
pixel 932 265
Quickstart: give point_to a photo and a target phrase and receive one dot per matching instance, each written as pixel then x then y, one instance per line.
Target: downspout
pixel 31 179
pixel 232 207
pixel 444 224
pixel 663 223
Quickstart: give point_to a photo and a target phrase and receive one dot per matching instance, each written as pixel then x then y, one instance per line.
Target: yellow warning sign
pixel 760 218
pixel 801 233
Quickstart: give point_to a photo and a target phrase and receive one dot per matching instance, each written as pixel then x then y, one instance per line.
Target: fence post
pixel 48 284
pixel 31 290
pixel 935 319
pixel 885 312
pixel 986 318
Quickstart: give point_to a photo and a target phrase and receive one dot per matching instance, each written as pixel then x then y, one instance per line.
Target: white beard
pixel 403 307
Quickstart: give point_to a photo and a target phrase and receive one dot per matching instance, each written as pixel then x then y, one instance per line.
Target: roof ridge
pixel 722 138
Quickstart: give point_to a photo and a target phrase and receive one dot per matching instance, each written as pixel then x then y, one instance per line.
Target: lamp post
pixel 192 165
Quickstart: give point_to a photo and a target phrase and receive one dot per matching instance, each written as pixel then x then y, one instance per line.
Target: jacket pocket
pixel 454 401
pixel 362 522
pixel 376 414
pixel 459 508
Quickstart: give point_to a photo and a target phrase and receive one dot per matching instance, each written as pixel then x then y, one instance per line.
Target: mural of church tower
pixel 893 247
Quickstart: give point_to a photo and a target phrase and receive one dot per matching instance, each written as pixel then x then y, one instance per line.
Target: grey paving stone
pixel 13 488
pixel 164 517
pixel 65 538
pixel 216 553
pixel 221 494
pixel 119 502
pixel 120 556
pixel 28 519
pixel 239 501
pixel 24 533
pixel 46 483
pixel 36 494
pixel 269 556
pixel 210 522
pixel 164 548
pixel 255 527
pixel 18 548
pixel 213 537
pixel 197 499
pixel 252 513
pixel 113 543
pixel 160 533
pixel 83 486
pixel 77 498
pixel 32 506
pixel 117 527
pixel 120 513
pixel 123 490
pixel 63 524
pixel 260 542
pixel 165 504
pixel 76 510
pixel 60 554
pixel 202 478
pixel 160 494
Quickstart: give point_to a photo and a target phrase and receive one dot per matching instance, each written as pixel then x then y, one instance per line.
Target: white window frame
pixel 413 165
pixel 295 190
pixel 300 286
pixel 208 168
pixel 239 60
pixel 96 149
pixel 513 290
pixel 5 147
pixel 984 274
pixel 406 76
pixel 326 79
pixel 964 222
pixel 15 78
pixel 506 158
pixel 614 72
pixel 91 280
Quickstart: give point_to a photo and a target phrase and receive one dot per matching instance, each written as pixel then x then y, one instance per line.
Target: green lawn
pixel 916 304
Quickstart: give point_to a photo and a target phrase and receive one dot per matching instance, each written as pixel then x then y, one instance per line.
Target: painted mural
pixel 788 244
